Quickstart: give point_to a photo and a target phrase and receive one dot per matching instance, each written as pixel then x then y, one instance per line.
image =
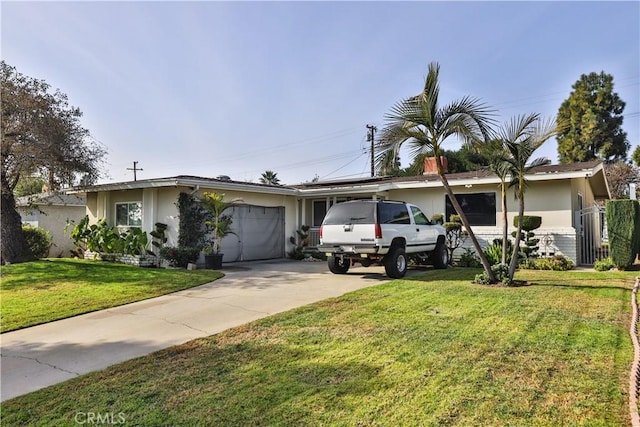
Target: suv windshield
pixel 350 213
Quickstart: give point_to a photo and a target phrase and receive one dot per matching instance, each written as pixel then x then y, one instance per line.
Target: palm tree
pixel 270 178
pixel 495 152
pixel 424 126
pixel 523 136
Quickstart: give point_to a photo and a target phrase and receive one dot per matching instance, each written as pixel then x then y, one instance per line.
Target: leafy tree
pixel 270 178
pixel 590 122
pixel 420 122
pixel 29 185
pixel 619 176
pixel 41 134
pixel 525 135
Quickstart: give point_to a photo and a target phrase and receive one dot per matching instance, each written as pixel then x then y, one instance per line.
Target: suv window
pixel 418 217
pixel 393 213
pixel 350 213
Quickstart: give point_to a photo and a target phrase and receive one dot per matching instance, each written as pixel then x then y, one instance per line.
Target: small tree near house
pixel 529 223
pixel 455 235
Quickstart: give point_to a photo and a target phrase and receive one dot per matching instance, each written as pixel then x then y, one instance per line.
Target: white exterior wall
pixel 553 201
pixel 53 218
pixel 268 200
pixel 159 205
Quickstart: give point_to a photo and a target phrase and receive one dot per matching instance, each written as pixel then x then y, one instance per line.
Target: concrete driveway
pixel 36 357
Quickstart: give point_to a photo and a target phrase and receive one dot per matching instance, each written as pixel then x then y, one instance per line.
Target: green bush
pixel 437 218
pixel 179 256
pixel 37 241
pixel 469 259
pixel 105 239
pixel 494 251
pixel 529 222
pixel 500 271
pixel 604 264
pixel 623 226
pixel 555 263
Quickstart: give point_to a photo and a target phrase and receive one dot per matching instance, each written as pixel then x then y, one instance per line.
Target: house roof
pixel 52 199
pixel 594 171
pixel 194 182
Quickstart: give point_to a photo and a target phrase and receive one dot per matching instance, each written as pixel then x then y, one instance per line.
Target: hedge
pixel 623 226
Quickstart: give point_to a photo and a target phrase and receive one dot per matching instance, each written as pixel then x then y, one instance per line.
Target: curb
pixel 635 366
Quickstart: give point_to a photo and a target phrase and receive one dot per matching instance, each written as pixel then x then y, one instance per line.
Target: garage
pixel 259 233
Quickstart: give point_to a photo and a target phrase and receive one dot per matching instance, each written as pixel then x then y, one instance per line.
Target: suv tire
pixel 440 256
pixel 395 263
pixel 338 265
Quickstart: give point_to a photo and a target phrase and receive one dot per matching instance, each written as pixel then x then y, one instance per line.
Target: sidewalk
pixel 36 357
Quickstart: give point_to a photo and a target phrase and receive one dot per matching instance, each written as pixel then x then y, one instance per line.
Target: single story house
pixel 565 196
pixel 51 211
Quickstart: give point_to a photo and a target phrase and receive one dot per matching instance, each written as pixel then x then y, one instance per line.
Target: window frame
pixel 472 216
pixel 129 224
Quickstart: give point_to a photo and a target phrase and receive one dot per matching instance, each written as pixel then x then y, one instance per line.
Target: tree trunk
pixel 505 223
pixel 12 243
pixel 465 222
pixel 516 246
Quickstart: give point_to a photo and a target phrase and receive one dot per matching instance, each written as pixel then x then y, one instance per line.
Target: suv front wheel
pixel 395 263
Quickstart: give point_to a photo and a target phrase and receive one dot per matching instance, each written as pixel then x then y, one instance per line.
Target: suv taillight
pixel 378 231
pixel 321 232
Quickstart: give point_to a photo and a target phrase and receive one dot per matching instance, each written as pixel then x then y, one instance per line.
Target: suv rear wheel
pixel 338 265
pixel 395 263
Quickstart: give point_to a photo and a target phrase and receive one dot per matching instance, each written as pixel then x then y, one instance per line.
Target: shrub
pixel 37 242
pixel 106 239
pixel 494 251
pixel 179 256
pixel 529 223
pixel 500 271
pixel 623 225
pixel 556 263
pixel 469 259
pixel 437 218
pixel 191 229
pixel 604 264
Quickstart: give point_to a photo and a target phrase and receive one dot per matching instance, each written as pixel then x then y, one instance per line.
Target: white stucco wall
pixel 54 219
pixel 159 205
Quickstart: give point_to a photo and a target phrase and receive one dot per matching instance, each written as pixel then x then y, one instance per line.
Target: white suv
pixel 384 232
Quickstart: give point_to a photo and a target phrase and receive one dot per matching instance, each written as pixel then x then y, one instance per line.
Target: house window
pixel 129 214
pixel 479 208
pixel 319 211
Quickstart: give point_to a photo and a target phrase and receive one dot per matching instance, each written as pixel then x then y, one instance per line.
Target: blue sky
pixel 237 88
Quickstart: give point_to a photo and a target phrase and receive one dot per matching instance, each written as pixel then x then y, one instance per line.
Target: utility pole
pixel 135 169
pixel 371 138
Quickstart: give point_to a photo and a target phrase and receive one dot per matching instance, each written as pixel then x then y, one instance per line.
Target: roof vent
pixel 223 178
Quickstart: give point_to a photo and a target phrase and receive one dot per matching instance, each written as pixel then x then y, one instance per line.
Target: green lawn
pixel 51 289
pixel 433 350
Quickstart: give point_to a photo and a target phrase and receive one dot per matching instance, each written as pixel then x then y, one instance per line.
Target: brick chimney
pixel 430 167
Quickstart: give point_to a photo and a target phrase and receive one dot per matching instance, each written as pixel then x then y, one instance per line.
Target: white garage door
pixel 260 233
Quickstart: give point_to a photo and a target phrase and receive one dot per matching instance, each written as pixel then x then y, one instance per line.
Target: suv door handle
pixel 417 229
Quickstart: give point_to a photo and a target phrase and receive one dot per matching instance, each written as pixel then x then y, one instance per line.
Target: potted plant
pixel 218 226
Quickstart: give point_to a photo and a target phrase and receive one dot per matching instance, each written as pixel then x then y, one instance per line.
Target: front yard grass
pixel 431 350
pixel 51 289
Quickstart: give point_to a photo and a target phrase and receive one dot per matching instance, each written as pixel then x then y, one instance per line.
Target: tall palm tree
pixel 270 178
pixel 523 136
pixel 424 126
pixel 495 152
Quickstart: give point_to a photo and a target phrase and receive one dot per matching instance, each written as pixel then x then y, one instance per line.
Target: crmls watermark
pixel 93 418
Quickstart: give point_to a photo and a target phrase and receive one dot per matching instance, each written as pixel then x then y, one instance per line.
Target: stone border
pixel 135 260
pixel 635 366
